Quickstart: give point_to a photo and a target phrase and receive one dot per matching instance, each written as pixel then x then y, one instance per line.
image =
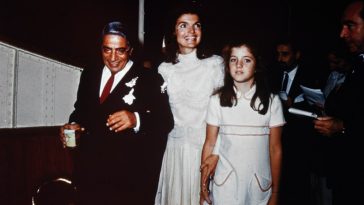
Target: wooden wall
pixel 28 157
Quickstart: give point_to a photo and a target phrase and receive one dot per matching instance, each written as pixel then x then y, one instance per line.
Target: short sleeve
pixel 276 115
pixel 214 111
pixel 214 118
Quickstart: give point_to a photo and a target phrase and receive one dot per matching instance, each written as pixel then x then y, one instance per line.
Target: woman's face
pixel 188 32
pixel 242 65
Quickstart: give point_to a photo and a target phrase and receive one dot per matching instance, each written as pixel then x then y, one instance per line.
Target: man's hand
pixel 121 120
pixel 328 126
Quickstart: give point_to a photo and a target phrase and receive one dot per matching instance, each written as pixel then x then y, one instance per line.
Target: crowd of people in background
pixel 218 128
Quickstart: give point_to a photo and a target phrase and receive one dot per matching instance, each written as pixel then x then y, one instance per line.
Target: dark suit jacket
pixel 347 148
pixel 117 166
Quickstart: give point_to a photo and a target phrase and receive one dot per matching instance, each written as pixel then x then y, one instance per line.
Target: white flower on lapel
pixel 129 98
pixel 164 87
pixel 132 82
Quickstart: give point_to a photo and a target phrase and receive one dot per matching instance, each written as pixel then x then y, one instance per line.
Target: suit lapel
pixel 95 85
pixel 121 89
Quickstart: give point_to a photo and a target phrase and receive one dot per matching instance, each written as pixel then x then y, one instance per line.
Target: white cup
pixel 70 138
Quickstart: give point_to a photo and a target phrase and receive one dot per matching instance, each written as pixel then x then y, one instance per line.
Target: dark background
pixel 69 31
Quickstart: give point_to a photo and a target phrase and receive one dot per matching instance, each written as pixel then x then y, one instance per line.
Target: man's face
pixel 115 52
pixel 352 30
pixel 285 56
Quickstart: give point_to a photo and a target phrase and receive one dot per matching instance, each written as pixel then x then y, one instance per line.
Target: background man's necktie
pixel 107 88
pixel 285 82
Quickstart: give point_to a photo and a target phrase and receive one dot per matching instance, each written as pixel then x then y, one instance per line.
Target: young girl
pixel 248 118
pixel 191 76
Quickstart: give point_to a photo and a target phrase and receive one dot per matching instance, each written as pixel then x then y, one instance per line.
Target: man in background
pixel 344 120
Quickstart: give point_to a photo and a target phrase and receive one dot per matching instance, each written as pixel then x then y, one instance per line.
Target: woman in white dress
pixel 248 119
pixel 191 76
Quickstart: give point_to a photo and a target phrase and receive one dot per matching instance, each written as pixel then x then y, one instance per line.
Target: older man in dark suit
pixel 124 116
pixel 344 123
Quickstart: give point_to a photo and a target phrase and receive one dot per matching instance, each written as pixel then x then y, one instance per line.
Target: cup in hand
pixel 70 138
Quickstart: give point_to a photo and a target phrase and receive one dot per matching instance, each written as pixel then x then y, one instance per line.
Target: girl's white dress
pixel 243 173
pixel 190 83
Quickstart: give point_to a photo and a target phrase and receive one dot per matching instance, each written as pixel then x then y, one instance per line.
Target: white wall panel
pixel 31 91
pixel 7 67
pixel 35 90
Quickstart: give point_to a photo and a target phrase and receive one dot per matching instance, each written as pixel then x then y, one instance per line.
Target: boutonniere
pixel 131 83
pixel 129 98
pixel 164 87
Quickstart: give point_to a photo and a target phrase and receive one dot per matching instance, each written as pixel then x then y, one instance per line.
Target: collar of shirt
pixel 293 72
pixel 106 73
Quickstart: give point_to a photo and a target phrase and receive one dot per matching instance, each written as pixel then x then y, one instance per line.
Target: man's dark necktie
pixel 285 82
pixel 107 88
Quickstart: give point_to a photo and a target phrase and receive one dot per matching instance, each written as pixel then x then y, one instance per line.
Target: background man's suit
pixel 346 148
pixel 296 140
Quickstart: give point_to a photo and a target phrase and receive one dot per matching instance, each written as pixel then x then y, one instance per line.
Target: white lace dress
pixel 243 173
pixel 190 84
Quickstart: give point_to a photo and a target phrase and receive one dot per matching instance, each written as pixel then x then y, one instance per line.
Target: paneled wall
pixel 35 90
